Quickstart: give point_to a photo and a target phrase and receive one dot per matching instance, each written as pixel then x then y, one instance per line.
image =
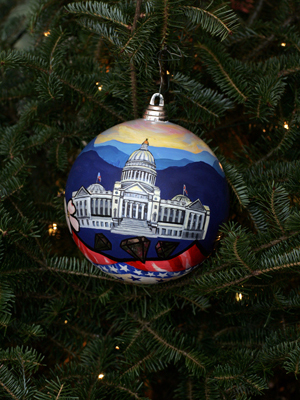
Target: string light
pixel 117 348
pixel 238 296
pixel 100 376
pixel 264 130
pixel 66 321
pixel 168 73
pixel 99 86
pixel 52 229
pixel 283 44
pixel 107 69
pixel 60 192
pixel 47 33
pixel 286 126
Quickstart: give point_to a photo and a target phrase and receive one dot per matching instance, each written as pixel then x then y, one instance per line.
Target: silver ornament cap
pixel 156 113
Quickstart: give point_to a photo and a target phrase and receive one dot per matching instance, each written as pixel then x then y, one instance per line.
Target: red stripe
pixel 190 258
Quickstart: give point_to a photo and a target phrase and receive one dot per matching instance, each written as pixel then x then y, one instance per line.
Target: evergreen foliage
pixel 70 70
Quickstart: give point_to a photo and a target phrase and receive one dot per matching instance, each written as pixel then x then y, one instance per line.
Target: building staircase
pixel 131 226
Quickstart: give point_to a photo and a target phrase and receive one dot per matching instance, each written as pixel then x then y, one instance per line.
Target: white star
pixel 138 272
pixel 113 269
pixel 123 267
pixel 150 274
pixel 162 275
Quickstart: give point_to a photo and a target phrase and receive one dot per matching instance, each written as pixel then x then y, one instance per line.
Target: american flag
pixel 99 177
pixel 184 190
pixel 127 273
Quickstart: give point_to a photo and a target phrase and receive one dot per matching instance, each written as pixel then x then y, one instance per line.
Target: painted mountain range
pixel 117 153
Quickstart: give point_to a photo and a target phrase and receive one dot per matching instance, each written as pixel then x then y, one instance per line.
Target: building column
pixel 186 219
pixel 168 214
pixel 130 209
pixel 120 206
pixel 179 216
pixel 163 210
pixel 174 214
pixel 192 220
pixel 202 221
pixel 137 210
pixel 126 208
pixel 197 221
pixel 143 211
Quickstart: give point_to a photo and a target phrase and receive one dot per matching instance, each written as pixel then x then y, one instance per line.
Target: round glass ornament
pixel 144 199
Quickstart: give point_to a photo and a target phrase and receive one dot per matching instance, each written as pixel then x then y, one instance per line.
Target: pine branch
pixel 221 22
pixel 255 13
pixel 187 355
pixel 101 10
pixel 239 258
pixel 136 366
pixel 225 79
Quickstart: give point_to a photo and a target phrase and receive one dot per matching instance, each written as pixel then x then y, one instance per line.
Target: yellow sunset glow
pixel 159 135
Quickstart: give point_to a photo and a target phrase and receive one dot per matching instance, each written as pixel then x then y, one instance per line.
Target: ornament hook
pixel 156 113
pixel 161 99
pixel 164 79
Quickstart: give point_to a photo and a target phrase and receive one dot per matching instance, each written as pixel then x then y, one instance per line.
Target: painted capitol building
pixel 135 207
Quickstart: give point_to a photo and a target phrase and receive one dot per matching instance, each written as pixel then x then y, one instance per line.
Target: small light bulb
pixel 286 126
pixel 168 73
pixel 47 33
pixel 117 348
pixel 283 44
pixel 264 130
pixel 52 229
pixel 100 87
pixel 100 376
pixel 66 321
pixel 238 296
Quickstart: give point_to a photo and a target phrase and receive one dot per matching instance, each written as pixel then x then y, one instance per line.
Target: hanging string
pixel 160 60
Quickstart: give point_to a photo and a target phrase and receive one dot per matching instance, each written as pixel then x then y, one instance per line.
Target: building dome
pixel 96 188
pixel 181 198
pixel 142 154
pixel 140 167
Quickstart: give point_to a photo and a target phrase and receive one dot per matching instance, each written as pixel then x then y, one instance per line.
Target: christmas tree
pixel 230 74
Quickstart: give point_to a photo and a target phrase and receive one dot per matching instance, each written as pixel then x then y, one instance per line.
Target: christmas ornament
pixel 145 198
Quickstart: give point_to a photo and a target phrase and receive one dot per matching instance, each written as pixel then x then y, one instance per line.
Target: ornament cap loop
pixel 161 99
pixel 156 113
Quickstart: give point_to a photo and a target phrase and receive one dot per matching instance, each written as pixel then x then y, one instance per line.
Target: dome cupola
pixel 96 188
pixel 140 167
